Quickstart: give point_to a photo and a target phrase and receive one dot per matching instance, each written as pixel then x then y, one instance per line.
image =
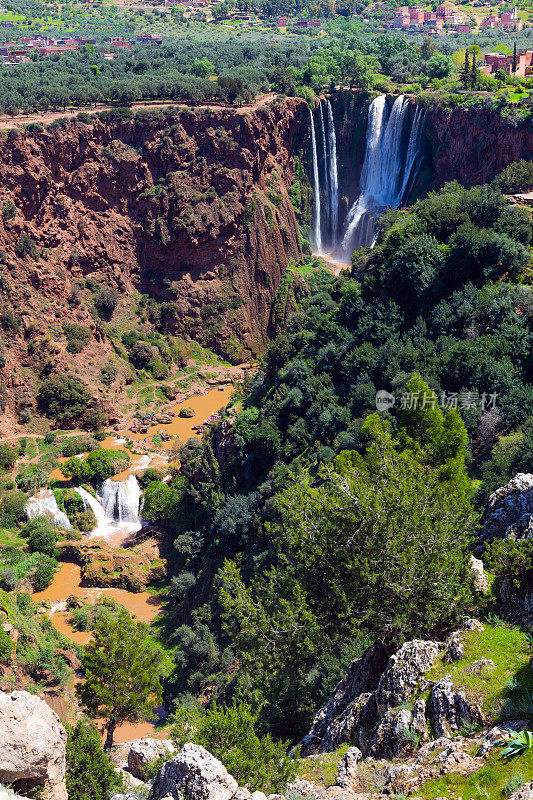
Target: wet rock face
pixel 509 511
pixel 472 146
pixel 32 745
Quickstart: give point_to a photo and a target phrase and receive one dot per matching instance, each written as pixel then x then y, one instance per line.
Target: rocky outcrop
pixel 473 145
pixel 334 722
pixel 509 511
pixel 379 722
pixel 33 741
pixel 524 793
pixel 146 751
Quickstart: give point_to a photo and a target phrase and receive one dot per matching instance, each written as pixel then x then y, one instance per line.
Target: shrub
pixel 26 247
pixel 44 572
pixel 8 457
pixel 63 397
pixel 158 369
pixel 85 520
pixel 229 734
pixel 12 506
pixel 77 336
pixel 6 647
pixel 141 354
pixel 108 373
pixel 9 209
pixel 106 302
pixel 42 536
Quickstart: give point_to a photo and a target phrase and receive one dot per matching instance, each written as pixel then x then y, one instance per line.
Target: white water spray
pixel 333 176
pixel 316 188
pixel 121 500
pixel 44 504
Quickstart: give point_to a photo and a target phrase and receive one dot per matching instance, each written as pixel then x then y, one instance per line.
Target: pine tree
pixel 474 74
pixel 122 666
pixel 464 75
pixel 514 59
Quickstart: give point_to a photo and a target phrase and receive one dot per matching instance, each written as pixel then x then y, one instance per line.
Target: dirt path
pixel 50 116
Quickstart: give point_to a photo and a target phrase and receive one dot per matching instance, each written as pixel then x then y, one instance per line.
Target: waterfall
pixel 316 188
pixel 325 156
pixel 333 177
pixel 44 504
pixel 388 168
pixel 121 500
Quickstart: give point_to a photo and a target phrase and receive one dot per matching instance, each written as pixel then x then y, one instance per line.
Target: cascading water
pixel 44 504
pixel 121 500
pixel 325 157
pixel 333 177
pixel 388 169
pixel 104 524
pixel 316 188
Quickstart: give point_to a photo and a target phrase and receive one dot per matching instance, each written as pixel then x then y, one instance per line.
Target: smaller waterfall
pixel 325 157
pixel 333 176
pixel 316 189
pixel 104 524
pixel 121 500
pixel 44 504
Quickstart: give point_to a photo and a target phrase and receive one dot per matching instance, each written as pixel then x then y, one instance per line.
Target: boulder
pixel 510 510
pixel 524 793
pixel 193 774
pixel 481 580
pixel 450 708
pixel 33 743
pixel 347 767
pixel 144 751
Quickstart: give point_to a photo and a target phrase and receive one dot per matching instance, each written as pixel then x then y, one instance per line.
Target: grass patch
pixel 323 769
pixel 506 690
pixel 496 780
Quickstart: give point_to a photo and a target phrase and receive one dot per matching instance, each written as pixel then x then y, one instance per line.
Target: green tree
pixel 378 543
pixel 8 456
pixel 465 76
pixel 122 667
pixel 90 775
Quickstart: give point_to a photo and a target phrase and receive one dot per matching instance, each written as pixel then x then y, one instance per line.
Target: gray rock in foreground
pixel 193 774
pixel 32 744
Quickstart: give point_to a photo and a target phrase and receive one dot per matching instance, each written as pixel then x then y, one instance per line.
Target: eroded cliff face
pixel 472 146
pixel 190 208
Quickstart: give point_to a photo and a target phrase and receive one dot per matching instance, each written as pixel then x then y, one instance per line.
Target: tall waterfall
pixel 316 189
pixel 333 177
pixel 44 504
pixel 389 168
pixel 121 500
pixel 325 157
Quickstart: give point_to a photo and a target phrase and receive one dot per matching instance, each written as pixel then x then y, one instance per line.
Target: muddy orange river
pixel 142 605
pixel 202 405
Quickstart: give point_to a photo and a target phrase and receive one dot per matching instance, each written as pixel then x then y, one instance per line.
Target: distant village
pixel 445 20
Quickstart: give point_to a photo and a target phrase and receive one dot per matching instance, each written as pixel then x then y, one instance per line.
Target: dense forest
pixel 319 499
